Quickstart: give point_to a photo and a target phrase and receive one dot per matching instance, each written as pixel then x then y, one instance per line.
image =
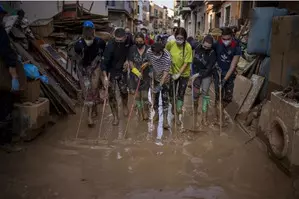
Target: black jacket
pixel 114 56
pixel 89 53
pixel 7 54
pixel 204 61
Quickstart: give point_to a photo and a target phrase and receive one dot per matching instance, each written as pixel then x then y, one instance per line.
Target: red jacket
pixel 149 41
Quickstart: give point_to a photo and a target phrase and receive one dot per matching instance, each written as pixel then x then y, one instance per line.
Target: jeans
pixel 201 83
pixel 165 93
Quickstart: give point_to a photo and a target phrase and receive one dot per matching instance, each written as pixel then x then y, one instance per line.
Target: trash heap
pixel 44 44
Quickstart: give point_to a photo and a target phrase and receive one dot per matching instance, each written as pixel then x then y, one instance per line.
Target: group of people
pixel 163 68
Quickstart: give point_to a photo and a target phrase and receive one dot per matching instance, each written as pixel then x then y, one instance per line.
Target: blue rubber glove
pixel 15 85
pixel 157 89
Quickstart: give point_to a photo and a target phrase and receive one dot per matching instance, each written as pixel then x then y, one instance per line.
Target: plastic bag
pixel 32 72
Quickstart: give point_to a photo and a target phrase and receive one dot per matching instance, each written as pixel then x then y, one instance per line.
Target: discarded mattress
pixel 259 40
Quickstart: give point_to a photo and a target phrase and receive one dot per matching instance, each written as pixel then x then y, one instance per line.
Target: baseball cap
pixel 2 10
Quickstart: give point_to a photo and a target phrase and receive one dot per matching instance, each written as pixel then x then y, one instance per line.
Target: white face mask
pixel 179 42
pixel 88 42
pixel 157 57
pixel 226 42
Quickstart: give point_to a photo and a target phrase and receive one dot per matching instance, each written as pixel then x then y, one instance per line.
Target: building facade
pixel 121 13
pixel 35 10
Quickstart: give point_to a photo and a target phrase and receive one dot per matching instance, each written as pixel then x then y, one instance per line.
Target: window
pixel 111 3
pixel 150 9
pixel 160 14
pixel 138 9
pixel 156 12
pixel 227 15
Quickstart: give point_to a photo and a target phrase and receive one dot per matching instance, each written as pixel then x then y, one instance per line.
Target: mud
pixel 149 163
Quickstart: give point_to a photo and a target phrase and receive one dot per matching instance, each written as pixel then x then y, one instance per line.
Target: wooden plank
pixel 52 81
pixel 257 83
pixel 241 90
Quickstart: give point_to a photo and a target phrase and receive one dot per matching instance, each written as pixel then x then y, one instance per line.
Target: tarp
pixel 259 40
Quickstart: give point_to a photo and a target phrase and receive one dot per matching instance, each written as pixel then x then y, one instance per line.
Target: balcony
pixel 195 3
pixel 153 16
pixel 120 6
pixel 214 3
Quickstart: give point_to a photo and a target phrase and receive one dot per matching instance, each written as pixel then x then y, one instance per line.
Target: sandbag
pixel 259 40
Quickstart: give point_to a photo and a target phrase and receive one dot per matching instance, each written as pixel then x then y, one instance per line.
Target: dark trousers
pixel 228 89
pixel 6 107
pixel 119 80
pixel 180 88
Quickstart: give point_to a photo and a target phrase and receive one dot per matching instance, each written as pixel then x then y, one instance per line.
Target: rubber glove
pixel 193 77
pixel 136 72
pixel 157 89
pixel 15 85
pixel 176 76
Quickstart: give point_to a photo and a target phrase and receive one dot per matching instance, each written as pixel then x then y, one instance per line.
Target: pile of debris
pixel 292 91
pixel 37 43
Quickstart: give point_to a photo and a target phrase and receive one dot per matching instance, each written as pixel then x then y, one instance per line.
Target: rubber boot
pixel 94 110
pixel 205 107
pixel 165 121
pixel 195 116
pixel 90 120
pixel 125 105
pixel 179 107
pixel 139 110
pixel 146 111
pixel 114 110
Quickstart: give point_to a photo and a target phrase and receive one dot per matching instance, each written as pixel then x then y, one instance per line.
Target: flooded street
pixel 147 164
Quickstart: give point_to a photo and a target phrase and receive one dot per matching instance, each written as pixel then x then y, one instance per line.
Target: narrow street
pixel 201 165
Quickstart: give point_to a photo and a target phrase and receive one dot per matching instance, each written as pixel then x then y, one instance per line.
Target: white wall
pixel 47 9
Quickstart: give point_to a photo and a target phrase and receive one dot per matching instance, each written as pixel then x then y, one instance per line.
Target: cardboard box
pixel 284 51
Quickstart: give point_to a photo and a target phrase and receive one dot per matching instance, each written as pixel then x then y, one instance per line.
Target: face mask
pixel 144 34
pixel 157 56
pixel 139 46
pixel 226 42
pixel 179 42
pixel 88 42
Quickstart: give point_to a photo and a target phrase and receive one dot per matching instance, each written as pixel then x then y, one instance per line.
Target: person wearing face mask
pixel 228 54
pixel 160 61
pixel 138 62
pixel 113 64
pixel 90 50
pixel 204 61
pixel 181 57
pixel 148 40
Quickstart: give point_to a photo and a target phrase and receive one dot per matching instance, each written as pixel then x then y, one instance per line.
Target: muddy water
pixel 150 163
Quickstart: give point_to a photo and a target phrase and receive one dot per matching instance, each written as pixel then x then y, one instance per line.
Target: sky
pixel 168 3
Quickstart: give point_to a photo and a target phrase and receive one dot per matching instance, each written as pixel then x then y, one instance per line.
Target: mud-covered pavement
pixel 203 165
